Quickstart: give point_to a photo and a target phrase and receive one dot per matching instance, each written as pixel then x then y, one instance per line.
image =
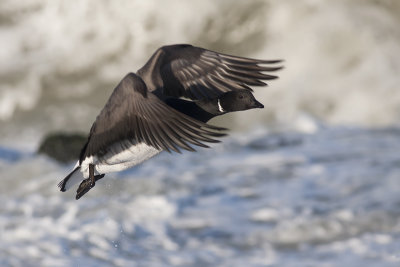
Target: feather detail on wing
pixel 133 113
pixel 197 73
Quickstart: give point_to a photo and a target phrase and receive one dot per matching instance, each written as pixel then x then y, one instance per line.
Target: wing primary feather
pixel 149 131
pixel 198 134
pixel 180 142
pixel 223 82
pixel 184 134
pixel 184 71
pixel 161 138
pixel 168 137
pixel 214 85
pixel 144 119
pixel 245 60
pixel 192 140
pixel 252 67
pixel 244 80
pixel 202 127
pixel 138 133
pixel 187 129
pixel 252 74
pixel 145 136
pixel 176 138
pixel 154 136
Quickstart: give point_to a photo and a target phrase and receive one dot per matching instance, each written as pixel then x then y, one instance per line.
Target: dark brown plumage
pixel 134 113
pixel 146 115
pixel 197 73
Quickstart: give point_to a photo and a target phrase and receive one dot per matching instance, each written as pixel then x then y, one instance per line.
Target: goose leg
pixel 88 183
pixel 91 175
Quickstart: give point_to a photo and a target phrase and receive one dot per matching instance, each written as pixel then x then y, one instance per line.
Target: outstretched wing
pixel 133 113
pixel 197 73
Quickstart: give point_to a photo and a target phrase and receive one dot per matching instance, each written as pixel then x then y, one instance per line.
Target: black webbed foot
pixel 84 187
pixel 88 183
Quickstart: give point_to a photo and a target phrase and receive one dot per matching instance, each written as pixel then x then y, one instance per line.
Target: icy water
pixel 325 199
pixel 310 180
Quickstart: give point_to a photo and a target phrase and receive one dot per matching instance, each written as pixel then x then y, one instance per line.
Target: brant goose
pixel 146 115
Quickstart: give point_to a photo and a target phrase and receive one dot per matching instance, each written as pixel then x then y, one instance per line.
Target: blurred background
pixel 310 180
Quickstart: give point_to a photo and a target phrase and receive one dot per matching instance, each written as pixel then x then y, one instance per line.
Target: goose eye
pixel 240 97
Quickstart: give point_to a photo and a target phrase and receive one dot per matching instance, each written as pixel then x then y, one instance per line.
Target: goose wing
pixel 197 73
pixel 134 113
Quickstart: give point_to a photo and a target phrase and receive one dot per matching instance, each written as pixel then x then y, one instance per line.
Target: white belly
pixel 121 156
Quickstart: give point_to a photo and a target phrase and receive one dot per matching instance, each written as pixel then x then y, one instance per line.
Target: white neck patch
pixel 220 107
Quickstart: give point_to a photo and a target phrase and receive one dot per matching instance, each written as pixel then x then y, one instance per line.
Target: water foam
pixel 328 198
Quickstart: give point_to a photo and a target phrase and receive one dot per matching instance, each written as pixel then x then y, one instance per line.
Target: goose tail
pixel 73 178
